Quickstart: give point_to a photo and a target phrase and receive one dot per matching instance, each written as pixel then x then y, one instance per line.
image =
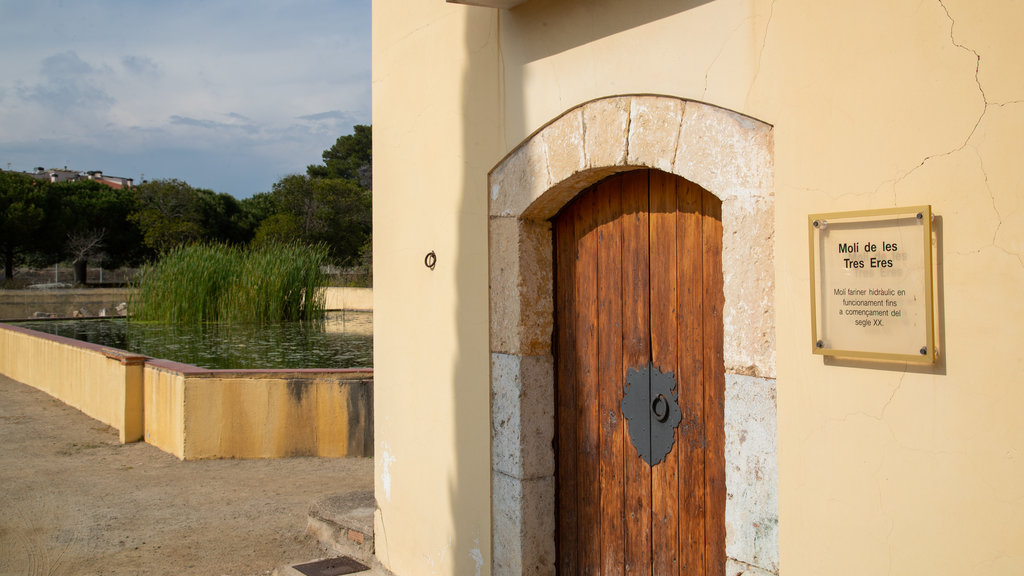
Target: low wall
pixel 348 298
pixel 22 304
pixel 102 382
pixel 65 302
pixel 199 413
pixel 196 413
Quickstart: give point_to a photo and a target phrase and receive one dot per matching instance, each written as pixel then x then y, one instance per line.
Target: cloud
pixel 185 121
pixel 141 66
pixel 64 65
pixel 244 125
pixel 329 115
pixel 176 93
pixel 68 83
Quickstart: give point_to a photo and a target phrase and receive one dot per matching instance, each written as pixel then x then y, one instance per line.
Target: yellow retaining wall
pixel 102 382
pixel 22 304
pixel 197 413
pixel 341 298
pixel 164 401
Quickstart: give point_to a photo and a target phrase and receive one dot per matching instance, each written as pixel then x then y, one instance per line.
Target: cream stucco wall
pixel 882 468
pixel 435 89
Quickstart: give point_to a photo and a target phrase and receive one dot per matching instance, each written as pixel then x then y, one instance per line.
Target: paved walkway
pixel 75 501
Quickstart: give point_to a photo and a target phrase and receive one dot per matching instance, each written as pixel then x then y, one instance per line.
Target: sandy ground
pixel 75 501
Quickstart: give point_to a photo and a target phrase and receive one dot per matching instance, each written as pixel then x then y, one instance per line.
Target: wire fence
pixel 64 275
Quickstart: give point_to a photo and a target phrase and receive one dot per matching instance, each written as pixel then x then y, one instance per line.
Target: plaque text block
pixel 871 284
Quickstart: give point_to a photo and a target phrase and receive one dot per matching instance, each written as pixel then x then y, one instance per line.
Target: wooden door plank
pixel 609 297
pixel 691 380
pixel 588 488
pixel 565 387
pixel 636 353
pixel 664 352
pixel 714 388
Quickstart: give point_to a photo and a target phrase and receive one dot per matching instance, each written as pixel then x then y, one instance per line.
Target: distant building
pixel 64 175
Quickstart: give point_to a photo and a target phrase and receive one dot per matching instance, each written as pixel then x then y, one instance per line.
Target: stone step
pixel 343 524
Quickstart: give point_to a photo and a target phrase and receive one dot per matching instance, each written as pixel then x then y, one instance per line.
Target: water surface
pixel 340 340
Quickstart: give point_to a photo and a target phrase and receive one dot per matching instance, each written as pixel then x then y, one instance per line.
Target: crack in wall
pixel 629 126
pixel 981 116
pixel 587 163
pixel 991 197
pixel 747 567
pixel 899 384
pixel 721 50
pixel 760 54
pixel 679 136
pixel 986 106
pixel 387 547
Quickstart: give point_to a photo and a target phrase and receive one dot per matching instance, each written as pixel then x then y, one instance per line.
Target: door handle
pixel 651 408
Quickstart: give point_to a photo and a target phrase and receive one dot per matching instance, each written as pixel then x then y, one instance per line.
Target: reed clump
pixel 219 283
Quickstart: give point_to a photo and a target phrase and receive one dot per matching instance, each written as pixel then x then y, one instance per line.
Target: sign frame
pixel 821 341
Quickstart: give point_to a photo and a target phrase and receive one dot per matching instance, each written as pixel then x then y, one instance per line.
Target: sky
pixel 225 95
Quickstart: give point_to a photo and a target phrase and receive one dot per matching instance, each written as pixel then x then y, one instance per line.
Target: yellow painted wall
pixel 345 298
pixel 106 385
pixel 164 401
pixel 195 413
pixel 435 91
pixel 268 416
pixel 875 104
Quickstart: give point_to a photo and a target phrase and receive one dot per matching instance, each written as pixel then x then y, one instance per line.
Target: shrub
pixel 220 283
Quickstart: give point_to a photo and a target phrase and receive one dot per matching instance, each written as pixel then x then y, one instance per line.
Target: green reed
pixel 219 283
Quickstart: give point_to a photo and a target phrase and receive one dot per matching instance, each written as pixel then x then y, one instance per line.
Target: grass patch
pixel 220 283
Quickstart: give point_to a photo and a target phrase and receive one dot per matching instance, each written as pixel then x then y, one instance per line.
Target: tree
pixel 351 158
pixel 333 211
pixel 167 214
pixel 82 247
pixel 222 218
pixel 22 215
pixel 171 213
pixel 255 209
pixel 91 221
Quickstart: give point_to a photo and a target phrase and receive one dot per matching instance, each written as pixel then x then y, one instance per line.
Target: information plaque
pixel 871 284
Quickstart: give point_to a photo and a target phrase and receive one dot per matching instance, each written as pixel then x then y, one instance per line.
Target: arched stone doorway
pixel 727 154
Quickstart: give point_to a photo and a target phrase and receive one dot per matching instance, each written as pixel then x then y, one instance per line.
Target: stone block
pixel 563 142
pixel 523 517
pixel 519 179
pixel 606 125
pixel 724 152
pixel 521 301
pixel 748 263
pixel 751 474
pixel 503 236
pixel 522 415
pixel 535 288
pixel 654 131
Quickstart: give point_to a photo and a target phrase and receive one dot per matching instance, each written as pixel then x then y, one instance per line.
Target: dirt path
pixel 75 501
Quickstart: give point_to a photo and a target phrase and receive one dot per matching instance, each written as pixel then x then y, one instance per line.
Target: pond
pixel 342 339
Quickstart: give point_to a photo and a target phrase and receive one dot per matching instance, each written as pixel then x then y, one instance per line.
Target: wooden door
pixel 638 284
